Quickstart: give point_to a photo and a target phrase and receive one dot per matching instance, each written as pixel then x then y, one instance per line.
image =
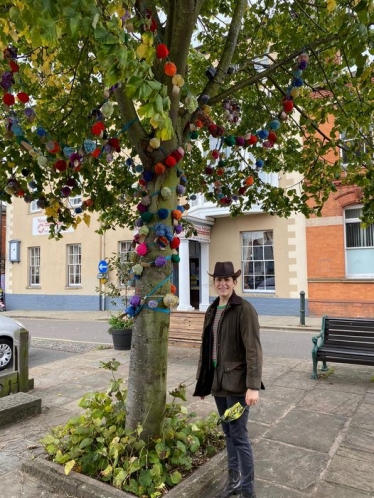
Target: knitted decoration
pixel 170 300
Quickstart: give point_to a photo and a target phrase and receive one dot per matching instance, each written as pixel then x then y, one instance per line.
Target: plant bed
pixel 97 444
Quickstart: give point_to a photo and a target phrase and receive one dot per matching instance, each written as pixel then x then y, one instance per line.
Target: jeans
pixel 238 445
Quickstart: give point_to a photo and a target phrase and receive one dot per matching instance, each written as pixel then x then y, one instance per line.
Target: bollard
pixel 302 308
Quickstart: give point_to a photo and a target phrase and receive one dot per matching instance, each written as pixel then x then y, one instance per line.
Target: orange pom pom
pixel 159 169
pixel 176 214
pixel 173 289
pixel 249 181
pixel 170 69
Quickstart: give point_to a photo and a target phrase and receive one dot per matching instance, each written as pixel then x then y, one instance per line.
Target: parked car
pixel 9 338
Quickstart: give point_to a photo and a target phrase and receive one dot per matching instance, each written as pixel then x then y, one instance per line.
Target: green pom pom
pixel 193 135
pixel 230 140
pixel 146 217
pixel 175 258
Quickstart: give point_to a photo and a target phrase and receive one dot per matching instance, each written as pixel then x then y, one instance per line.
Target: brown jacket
pixel 239 352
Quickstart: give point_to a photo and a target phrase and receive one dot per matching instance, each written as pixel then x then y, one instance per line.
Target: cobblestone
pixel 68 346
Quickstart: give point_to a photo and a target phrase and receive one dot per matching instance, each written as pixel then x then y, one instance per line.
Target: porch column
pixel 204 277
pixel 184 276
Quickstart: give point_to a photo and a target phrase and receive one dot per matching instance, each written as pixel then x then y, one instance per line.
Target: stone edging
pixel 82 486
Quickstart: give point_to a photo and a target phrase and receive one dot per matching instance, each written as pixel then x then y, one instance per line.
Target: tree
pixel 107 99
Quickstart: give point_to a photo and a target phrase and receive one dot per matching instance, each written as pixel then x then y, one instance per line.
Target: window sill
pixel 345 280
pixel 34 287
pixel 73 287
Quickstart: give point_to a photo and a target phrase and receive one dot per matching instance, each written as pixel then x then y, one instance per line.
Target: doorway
pixel 194 249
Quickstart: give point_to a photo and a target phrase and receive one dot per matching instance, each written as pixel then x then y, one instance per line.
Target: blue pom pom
pixel 68 151
pixel 263 134
pixel 260 163
pixel 298 82
pixel 89 146
pixel 129 161
pixel 148 176
pixel 297 73
pixel 139 168
pixel 78 210
pixel 163 213
pixel 131 311
pixel 275 124
pixel 41 132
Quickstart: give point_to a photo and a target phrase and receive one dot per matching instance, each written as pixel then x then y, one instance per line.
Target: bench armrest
pixel 320 337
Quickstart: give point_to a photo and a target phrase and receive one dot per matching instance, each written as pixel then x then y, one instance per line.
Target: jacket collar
pixel 234 299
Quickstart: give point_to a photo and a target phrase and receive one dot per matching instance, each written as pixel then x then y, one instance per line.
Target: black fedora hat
pixel 225 269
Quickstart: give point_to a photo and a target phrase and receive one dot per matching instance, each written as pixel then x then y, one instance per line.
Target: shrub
pixel 97 444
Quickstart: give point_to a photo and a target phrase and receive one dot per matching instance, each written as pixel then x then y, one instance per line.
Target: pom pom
pixel 139 168
pixel 272 136
pixel 249 181
pixel 162 51
pixel 9 99
pixel 287 106
pixel 170 161
pixel 259 164
pixel 242 190
pixel 275 124
pixel 137 269
pixel 177 156
pixel 129 162
pixel 146 216
pixel 194 135
pixel 173 289
pixel 163 213
pixel 159 169
pixel 212 128
pixel 88 145
pixel 165 193
pixel 114 143
pixel 170 69
pixel 96 152
pixel 142 249
pixel 139 223
pixel 162 242
pixel 178 229
pixel 298 82
pixel 160 261
pixel 146 200
pixel 175 258
pixel 141 208
pixel 131 311
pixel 107 109
pixel 135 300
pixel 240 141
pixel 175 243
pixel 23 97
pixel 230 140
pixel 303 65
pixel 263 134
pixel 181 151
pixel 204 99
pixel 295 92
pixel 154 143
pixel 178 80
pixel 176 214
pixel 152 304
pixel 52 147
pixel 252 140
pixel 98 128
pixel 170 300
pixel 148 175
pixel 208 170
pixel 181 189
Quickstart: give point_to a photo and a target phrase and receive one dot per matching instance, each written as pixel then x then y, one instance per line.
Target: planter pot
pixel 121 338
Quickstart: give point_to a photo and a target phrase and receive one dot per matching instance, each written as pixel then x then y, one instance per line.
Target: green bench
pixel 343 340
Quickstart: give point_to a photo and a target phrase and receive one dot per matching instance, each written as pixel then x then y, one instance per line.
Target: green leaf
pixel 176 477
pixel 69 467
pixel 86 442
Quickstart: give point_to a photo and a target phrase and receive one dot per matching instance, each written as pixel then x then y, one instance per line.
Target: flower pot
pixel 121 338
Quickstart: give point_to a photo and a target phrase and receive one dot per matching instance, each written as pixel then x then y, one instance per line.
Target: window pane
pixel 258 261
pixel 34 266
pixel 74 264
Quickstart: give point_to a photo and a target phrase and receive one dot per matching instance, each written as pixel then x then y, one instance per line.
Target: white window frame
pixel 260 278
pixel 125 248
pixel 34 266
pixel 351 252
pixel 76 201
pixel 34 208
pixel 74 265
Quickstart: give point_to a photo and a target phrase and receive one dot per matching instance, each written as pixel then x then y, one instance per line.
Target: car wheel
pixel 6 353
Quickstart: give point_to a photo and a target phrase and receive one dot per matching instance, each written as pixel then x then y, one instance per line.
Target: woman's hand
pixel 251 397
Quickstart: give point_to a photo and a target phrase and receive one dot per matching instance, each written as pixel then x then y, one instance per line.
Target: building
pixel 48 274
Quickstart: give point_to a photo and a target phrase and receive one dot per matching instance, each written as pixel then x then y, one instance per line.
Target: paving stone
pixel 341 385
pixel 268 490
pixel 267 411
pixel 336 403
pixel 352 468
pixel 301 428
pixel 359 438
pixel 369 398
pixel 286 465
pixel 283 393
pixel 364 417
pixel 326 490
pixel 296 380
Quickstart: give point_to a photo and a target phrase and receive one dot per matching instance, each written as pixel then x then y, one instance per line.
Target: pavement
pixel 311 438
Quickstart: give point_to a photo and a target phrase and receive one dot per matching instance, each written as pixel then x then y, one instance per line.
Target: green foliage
pixel 120 321
pixel 98 445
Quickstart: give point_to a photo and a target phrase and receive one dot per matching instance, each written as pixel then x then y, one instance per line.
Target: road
pixel 56 339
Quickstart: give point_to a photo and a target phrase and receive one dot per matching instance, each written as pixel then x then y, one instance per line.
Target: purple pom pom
pixel 181 189
pixel 160 261
pixel 135 300
pixel 178 229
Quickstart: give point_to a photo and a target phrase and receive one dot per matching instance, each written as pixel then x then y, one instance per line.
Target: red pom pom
pixel 23 97
pixel 252 140
pixel 287 106
pixel 97 128
pixel 215 154
pixel 272 137
pixel 114 142
pixel 177 155
pixel 8 99
pixel 96 152
pixel 242 190
pixel 170 161
pixel 174 244
pixel 14 66
pixel 212 128
pixel 60 165
pixel 162 51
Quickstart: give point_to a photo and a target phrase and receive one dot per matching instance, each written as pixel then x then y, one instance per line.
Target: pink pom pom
pixel 142 249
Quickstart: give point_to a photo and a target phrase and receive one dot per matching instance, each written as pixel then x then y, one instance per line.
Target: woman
pixel 230 368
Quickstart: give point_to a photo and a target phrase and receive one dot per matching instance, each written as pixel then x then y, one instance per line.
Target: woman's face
pixel 224 286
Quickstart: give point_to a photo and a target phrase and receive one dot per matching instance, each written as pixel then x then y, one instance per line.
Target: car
pixel 9 339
